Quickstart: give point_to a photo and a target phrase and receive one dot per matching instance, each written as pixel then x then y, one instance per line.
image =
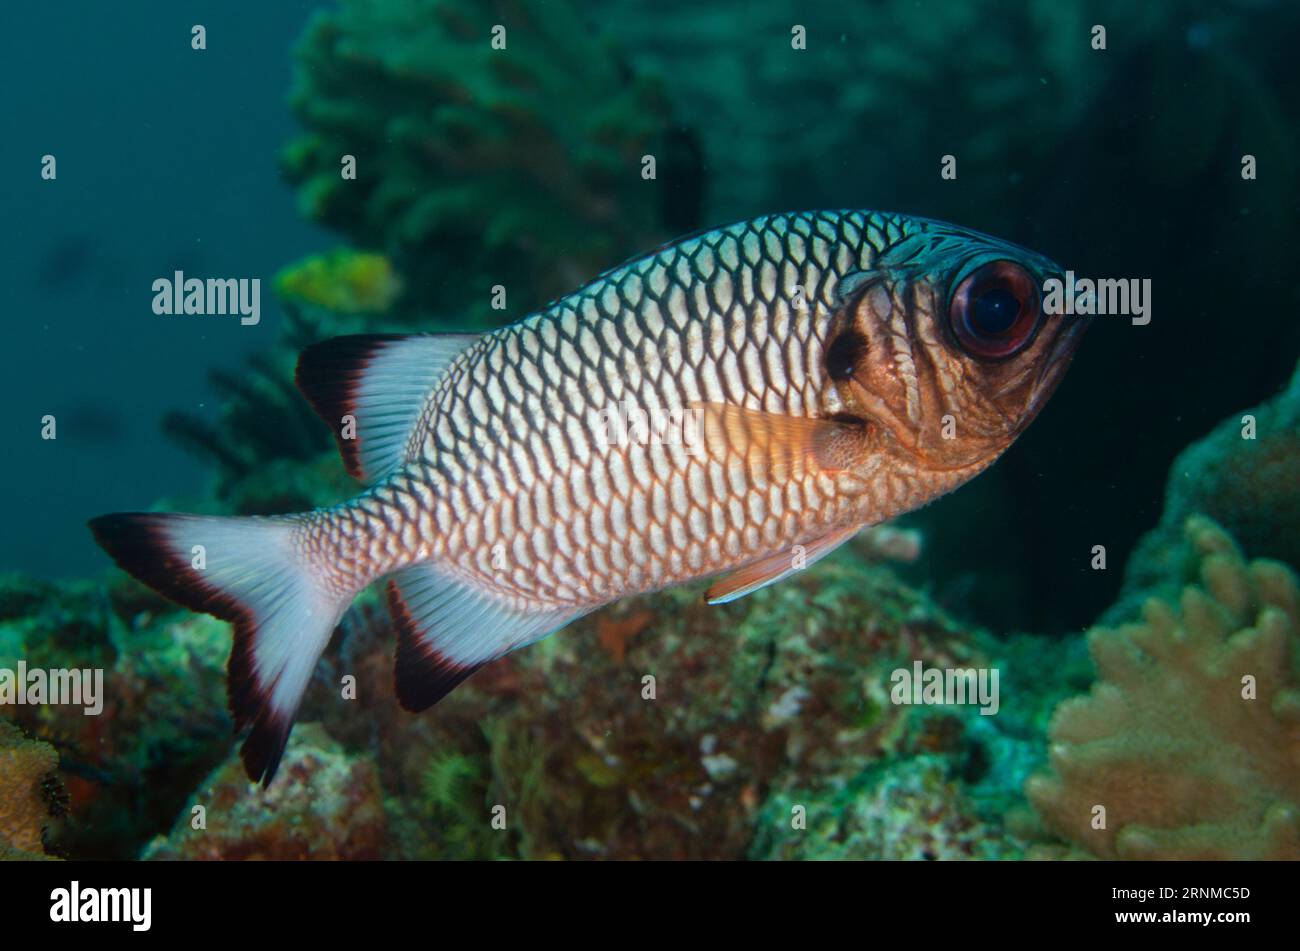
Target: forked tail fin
pixel 249 572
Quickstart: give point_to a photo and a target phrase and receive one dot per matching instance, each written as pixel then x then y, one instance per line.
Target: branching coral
pixel 434 114
pixel 262 418
pixel 25 766
pixel 1190 740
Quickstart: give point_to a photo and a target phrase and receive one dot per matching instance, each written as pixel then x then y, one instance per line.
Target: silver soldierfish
pixel 703 409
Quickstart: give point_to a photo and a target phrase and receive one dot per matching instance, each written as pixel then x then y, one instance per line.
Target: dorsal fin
pixel 382 381
pixel 447 629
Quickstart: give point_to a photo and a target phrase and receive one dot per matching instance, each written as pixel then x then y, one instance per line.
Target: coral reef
pixel 343 281
pixel 434 114
pixel 894 64
pixel 782 696
pixel 1247 485
pixel 262 418
pixel 1191 738
pixel 325 804
pixel 25 808
pixel 163 724
pixel 913 809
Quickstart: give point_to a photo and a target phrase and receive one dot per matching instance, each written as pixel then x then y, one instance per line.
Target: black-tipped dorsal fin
pixel 447 629
pixel 382 382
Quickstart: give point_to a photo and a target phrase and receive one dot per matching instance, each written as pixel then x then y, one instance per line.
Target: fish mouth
pixel 1053 369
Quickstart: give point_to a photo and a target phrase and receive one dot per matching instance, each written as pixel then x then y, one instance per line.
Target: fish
pixel 734 405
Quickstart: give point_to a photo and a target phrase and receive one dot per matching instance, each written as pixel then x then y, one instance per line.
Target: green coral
pixel 456 808
pixel 434 116
pixel 343 281
pixel 909 810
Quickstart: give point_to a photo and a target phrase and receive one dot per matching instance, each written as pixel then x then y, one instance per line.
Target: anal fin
pixel 447 629
pixel 766 571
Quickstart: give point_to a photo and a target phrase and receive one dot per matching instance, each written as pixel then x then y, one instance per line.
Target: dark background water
pixel 168 159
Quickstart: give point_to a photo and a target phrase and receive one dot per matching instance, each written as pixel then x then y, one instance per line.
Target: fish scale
pixel 508 441
pixel 498 510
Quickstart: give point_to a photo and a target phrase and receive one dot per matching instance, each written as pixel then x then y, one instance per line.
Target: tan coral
pixel 1184 765
pixel 24 764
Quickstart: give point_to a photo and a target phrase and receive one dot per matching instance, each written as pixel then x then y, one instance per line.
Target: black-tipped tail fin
pixel 246 571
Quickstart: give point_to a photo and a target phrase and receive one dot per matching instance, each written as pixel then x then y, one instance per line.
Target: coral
pixel 25 807
pixel 434 116
pixel 1187 761
pixel 343 281
pixel 1247 485
pixel 455 808
pixel 1009 91
pixel 912 809
pixel 262 418
pixel 163 724
pixel 325 804
pixel 781 694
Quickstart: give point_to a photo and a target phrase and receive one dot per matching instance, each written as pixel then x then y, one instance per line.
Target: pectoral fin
pixel 785 447
pixel 765 571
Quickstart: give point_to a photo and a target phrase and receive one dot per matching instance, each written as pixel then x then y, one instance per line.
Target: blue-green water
pixel 1169 155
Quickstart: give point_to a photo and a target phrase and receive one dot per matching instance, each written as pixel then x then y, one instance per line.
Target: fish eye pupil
pixel 995 311
pixel 844 353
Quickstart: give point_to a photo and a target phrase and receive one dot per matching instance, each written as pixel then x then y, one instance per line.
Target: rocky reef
pixel 659 728
pixel 162 725
pixel 324 805
pixel 665 728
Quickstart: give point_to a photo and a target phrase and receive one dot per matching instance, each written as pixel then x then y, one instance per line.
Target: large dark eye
pixel 995 310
